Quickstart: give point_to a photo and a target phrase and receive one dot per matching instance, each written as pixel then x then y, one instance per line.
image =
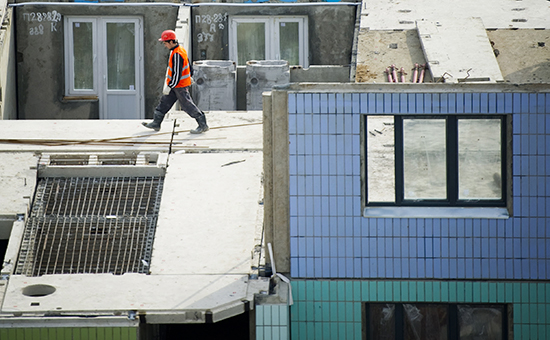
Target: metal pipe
pixel 394 73
pixel 389 75
pixel 422 71
pixel 402 71
pixel 415 73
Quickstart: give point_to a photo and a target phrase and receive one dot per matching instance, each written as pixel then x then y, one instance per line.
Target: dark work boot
pixel 202 125
pixel 155 124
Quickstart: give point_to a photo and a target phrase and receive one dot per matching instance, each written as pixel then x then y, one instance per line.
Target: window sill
pixel 79 98
pixel 435 212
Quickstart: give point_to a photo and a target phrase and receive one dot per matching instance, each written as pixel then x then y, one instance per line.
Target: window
pixel 415 321
pixel 269 38
pixel 447 161
pixel 81 47
pixel 104 62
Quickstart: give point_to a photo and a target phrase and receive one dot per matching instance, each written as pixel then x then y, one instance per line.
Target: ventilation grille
pixel 91 225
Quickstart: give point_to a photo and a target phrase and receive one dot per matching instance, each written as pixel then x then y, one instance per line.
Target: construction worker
pixel 178 80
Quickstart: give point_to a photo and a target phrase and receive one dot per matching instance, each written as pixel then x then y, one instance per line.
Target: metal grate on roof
pixel 91 225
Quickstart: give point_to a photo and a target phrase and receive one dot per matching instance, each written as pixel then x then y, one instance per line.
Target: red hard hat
pixel 168 35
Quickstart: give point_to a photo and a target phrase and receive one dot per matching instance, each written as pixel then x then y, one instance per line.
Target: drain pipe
pixel 415 73
pixel 281 276
pixel 423 70
pixel 394 73
pixel 388 72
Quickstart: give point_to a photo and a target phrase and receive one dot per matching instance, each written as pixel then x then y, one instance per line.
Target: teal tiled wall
pixel 272 322
pixel 331 309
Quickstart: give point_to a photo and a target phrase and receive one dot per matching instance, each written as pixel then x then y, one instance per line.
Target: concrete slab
pixel 392 15
pixel 209 214
pixel 209 225
pixel 17 183
pixel 458 51
pixel 231 130
pixel 518 31
pixel 111 294
pixel 81 135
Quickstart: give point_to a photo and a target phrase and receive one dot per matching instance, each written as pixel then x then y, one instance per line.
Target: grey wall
pixel 8 107
pixel 40 58
pixel 331 30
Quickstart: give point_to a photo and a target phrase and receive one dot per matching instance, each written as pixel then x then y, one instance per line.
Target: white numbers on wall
pixel 210 24
pixel 37 20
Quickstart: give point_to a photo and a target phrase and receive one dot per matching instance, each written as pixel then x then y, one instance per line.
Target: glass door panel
pixel 83 55
pixel 121 56
pixel 289 42
pixel 250 41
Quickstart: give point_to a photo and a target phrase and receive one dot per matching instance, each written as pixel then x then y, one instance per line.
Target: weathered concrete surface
pixel 380 49
pixel 515 28
pixel 209 226
pixel 40 67
pixel 17 183
pixel 523 55
pixel 8 102
pixel 215 86
pixel 261 76
pixel 458 50
pixel 330 32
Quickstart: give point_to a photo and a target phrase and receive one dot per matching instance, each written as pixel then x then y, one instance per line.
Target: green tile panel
pixel 65 333
pixel 335 308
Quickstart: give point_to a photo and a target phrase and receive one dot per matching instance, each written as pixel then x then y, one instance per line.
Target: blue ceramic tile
pixel 381 267
pixel 301 247
pixel 469 247
pixel 376 103
pixel 293 205
pixel 334 267
pixel 342 269
pixel 325 247
pixel 427 103
pixel 292 102
pixel 340 125
pixel 541 166
pixel 354 103
pixel 485 248
pixel 402 102
pixel 363 102
pixel 444 103
pixel 332 124
pixel 445 268
pixel 411 103
pixel 331 103
pixel 294 267
pixel 500 246
pixel 317 247
pixel 477 268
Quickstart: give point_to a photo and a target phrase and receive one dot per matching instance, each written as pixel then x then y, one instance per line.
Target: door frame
pixel 99 24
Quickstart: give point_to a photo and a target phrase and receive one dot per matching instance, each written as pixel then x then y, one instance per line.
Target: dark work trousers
pixel 182 95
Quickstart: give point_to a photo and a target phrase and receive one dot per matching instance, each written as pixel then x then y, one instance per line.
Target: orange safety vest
pixel 185 78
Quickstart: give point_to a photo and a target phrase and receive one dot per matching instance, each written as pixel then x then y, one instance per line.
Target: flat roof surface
pixel 390 15
pixel 209 223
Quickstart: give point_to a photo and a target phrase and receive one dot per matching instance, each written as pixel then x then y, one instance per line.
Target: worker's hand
pixel 165 90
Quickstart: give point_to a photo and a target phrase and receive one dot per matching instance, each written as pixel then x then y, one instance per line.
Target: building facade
pixel 365 266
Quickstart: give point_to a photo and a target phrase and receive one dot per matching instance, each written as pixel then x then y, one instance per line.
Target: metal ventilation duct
pixel 91 225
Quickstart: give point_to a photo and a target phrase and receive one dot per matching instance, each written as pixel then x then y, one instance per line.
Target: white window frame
pixel 272 47
pixel 69 57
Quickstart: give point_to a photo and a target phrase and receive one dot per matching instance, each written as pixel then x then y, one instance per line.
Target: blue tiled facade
pixel 330 238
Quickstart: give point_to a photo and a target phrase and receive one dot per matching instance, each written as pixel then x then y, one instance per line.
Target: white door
pixel 104 59
pixel 269 38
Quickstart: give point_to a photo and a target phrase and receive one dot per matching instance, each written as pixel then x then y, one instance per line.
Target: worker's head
pixel 168 37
